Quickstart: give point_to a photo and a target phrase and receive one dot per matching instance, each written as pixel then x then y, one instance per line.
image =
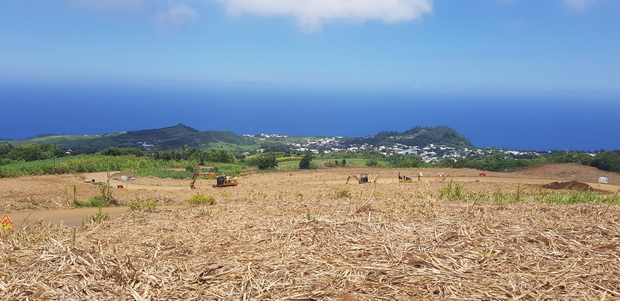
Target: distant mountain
pixel 166 138
pixel 156 139
pixel 417 136
pixel 174 137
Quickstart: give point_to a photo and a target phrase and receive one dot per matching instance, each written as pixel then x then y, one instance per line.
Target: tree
pixel 218 156
pixel 609 161
pixel 264 161
pixel 405 161
pixel 116 151
pixel 33 152
pixel 4 150
pixel 111 151
pixel 305 162
pixel 372 162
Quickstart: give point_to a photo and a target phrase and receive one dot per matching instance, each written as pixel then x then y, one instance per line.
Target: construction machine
pixel 404 179
pixel 224 181
pixel 363 178
pixel 198 173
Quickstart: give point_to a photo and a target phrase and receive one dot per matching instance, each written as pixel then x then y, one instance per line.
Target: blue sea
pixel 524 121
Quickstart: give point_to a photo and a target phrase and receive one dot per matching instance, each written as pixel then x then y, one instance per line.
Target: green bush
pixel 305 162
pixel 372 163
pixel 33 152
pixel 264 161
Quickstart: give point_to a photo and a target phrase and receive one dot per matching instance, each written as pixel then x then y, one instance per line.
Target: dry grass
pixel 275 237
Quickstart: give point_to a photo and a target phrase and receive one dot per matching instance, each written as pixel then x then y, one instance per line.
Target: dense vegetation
pixel 168 138
pixel 417 136
pixel 38 159
pixel 608 161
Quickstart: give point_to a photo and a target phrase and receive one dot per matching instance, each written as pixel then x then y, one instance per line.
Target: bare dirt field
pixel 307 235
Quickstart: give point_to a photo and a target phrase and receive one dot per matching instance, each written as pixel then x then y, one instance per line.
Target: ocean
pixel 525 121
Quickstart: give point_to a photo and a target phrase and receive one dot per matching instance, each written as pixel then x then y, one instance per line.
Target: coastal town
pixel 430 153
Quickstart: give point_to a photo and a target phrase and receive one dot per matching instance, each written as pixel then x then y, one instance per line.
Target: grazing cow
pixel 482 174
pixel 603 180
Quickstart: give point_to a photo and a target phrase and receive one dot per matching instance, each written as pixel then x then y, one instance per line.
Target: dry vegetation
pixel 295 236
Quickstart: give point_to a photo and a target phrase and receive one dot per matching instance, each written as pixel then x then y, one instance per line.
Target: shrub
pixel 97 218
pixel 372 162
pixel 264 161
pixel 143 206
pixel 305 162
pixel 95 201
pixel 452 191
pixel 343 194
pixel 201 199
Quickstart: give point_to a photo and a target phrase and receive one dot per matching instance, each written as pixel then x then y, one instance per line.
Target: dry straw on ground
pixel 275 237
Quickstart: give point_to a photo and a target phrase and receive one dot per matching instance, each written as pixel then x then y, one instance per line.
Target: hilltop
pixel 417 136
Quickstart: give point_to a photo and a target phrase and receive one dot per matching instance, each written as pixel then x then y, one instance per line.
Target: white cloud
pixel 177 16
pixel 312 14
pixel 578 5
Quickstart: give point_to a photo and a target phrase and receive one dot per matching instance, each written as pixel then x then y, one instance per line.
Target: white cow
pixel 603 180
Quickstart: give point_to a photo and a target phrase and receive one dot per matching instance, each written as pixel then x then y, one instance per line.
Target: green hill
pixel 417 136
pixel 172 138
pixel 157 139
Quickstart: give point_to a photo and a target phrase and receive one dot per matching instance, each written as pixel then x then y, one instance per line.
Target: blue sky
pixel 485 56
pixel 403 44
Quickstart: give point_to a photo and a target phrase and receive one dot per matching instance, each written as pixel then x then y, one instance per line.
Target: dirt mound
pixel 572 185
pixel 567 172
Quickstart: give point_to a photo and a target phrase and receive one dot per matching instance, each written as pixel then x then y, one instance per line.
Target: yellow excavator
pixel 404 179
pixel 363 178
pixel 198 173
pixel 225 181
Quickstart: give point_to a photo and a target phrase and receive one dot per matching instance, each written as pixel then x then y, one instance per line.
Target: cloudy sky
pixel 540 45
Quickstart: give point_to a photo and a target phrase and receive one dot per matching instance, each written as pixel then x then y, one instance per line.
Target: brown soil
pixel 572 185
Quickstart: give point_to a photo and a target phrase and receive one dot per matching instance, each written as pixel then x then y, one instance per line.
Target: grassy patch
pixel 201 199
pixel 95 201
pixel 453 191
pixel 343 194
pixel 581 197
pixel 85 163
pixel 143 206
pixel 96 218
pixel 165 173
pixel 288 159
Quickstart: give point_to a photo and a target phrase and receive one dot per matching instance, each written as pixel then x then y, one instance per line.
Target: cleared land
pixel 308 236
